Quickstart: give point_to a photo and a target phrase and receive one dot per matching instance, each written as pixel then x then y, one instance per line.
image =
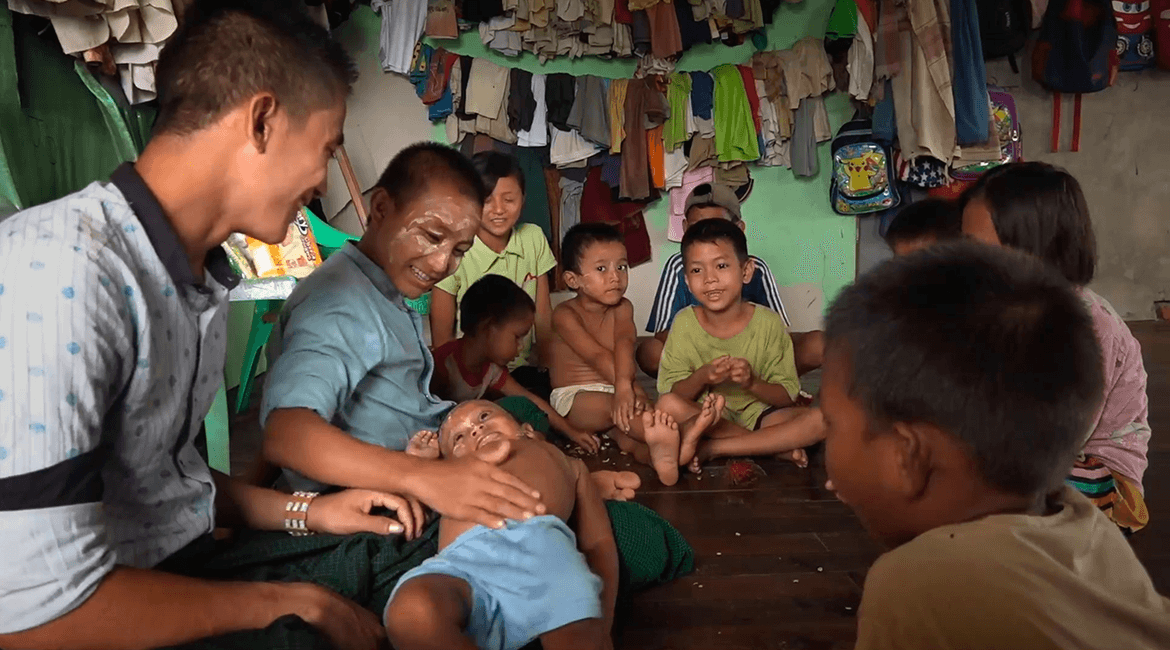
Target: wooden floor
pixel 781 563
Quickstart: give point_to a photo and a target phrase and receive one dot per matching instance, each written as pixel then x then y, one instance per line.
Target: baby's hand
pixel 587 441
pixel 625 406
pixel 740 372
pixel 424 444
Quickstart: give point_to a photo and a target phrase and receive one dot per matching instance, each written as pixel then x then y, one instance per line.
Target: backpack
pixel 1003 28
pixel 1076 52
pixel 1007 129
pixel 863 171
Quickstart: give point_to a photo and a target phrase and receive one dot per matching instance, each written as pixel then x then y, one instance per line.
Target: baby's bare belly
pixel 545 469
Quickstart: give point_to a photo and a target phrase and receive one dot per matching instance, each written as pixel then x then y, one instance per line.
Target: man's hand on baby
pixel 350 511
pixel 473 489
pixel 740 373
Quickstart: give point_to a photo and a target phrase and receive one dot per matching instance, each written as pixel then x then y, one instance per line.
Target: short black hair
pixel 1040 209
pixel 412 170
pixel 583 235
pixel 713 231
pixel 226 51
pixel 991 345
pixel 493 299
pixel 938 218
pixel 494 165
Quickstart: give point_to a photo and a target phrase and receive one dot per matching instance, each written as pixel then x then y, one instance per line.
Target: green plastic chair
pixel 266 312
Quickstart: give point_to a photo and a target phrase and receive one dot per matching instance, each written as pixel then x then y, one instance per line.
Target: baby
pixel 552 577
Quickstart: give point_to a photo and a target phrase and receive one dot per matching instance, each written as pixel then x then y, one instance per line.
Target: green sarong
pixel 366 567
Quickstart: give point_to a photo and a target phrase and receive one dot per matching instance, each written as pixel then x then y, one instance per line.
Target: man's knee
pixel 809 348
pixel 589 634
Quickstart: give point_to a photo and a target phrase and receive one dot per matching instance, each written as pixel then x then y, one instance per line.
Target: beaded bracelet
pixel 296 514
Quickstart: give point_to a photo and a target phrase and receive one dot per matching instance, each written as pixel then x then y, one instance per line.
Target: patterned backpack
pixel 863 171
pixel 1007 130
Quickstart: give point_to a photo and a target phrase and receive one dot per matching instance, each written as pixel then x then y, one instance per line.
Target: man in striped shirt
pixel 712 201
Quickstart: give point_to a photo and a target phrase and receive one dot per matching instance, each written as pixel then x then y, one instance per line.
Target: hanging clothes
pixel 972 107
pixel 678 199
pixel 521 101
pixel 560 91
pixel 665 37
pixel 692 30
pixel 598 206
pixel 590 112
pixel 617 114
pixel 402 25
pixel 646 108
pixel 735 132
pixel 569 148
pixel 677 93
pixel 656 155
pixel 924 100
pixel 537 135
pixel 702 94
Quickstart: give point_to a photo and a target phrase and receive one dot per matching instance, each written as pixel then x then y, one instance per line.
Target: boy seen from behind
pixel 923 224
pixel 734 352
pixel 497 317
pixel 958 385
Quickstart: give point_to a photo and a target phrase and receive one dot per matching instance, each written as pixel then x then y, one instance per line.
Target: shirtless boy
pixel 593 356
pixel 552 577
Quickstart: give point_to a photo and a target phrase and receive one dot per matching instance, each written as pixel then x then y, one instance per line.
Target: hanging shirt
pixel 402 25
pixel 537 136
pixel 702 94
pixel 646 108
pixel 590 113
pixel 675 129
pixel 617 114
pixel 735 130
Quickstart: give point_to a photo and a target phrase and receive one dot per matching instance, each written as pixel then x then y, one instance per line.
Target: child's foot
pixel 424 444
pixel 661 433
pixel 712 409
pixel 616 486
pixel 799 457
pixel 702 454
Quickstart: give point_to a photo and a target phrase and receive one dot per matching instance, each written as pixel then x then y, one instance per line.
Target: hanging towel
pixel 735 131
pixel 402 25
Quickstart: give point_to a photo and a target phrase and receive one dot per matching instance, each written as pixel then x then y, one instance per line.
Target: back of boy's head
pixel 493 299
pixel 716 231
pixel 411 172
pixel 583 235
pixel 989 345
pixel 713 195
pixel 1040 209
pixel 938 219
pixel 227 51
pixel 494 165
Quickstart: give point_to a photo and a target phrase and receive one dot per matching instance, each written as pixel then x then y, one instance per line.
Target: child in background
pixel 593 354
pixel 496 316
pixel 1040 209
pixel 734 352
pixel 518 252
pixel 923 224
pixel 958 384
pixel 713 201
pixel 552 577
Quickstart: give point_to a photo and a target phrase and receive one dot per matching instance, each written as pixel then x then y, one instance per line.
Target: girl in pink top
pixel 1040 209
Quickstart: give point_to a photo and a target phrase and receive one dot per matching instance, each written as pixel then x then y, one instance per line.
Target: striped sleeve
pixel 666 297
pixel 771 293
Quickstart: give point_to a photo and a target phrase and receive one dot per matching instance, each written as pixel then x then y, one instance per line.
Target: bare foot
pixel 799 457
pixel 711 411
pixel 424 444
pixel 702 455
pixel 616 486
pixel 661 433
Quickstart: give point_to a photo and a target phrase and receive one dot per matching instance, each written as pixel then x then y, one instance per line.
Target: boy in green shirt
pixel 738 352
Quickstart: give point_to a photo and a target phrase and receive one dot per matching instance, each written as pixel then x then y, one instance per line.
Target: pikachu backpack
pixel 863 171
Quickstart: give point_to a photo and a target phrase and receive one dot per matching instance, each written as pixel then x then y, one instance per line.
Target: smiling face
pixel 422 242
pixel 286 167
pixel 715 275
pixel 476 425
pixel 604 273
pixel 502 209
pixel 504 339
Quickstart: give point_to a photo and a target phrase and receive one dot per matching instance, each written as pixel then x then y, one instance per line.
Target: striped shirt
pixel 673 295
pixel 111 351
